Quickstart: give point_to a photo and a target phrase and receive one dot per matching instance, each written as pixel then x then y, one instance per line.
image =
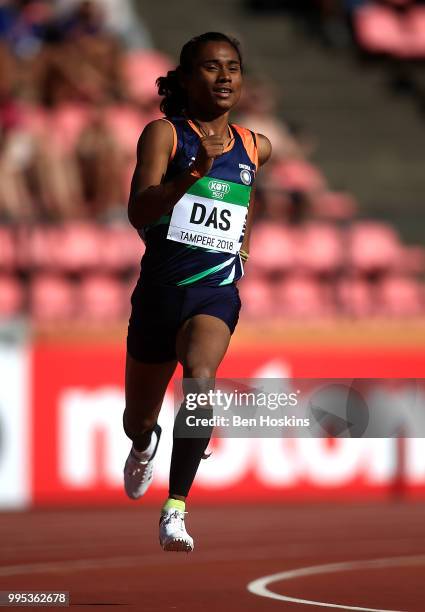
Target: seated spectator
pixel 25 25
pixel 257 111
pixel 15 199
pixel 101 165
pixel 15 148
pixel 119 18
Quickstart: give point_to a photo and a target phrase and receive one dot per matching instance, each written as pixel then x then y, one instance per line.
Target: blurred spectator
pixel 119 18
pixel 15 149
pixel 15 199
pixel 101 166
pixel 257 111
pixel 86 66
pixel 25 25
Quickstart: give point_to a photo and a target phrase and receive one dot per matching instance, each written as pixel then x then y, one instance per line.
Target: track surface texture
pixel 108 558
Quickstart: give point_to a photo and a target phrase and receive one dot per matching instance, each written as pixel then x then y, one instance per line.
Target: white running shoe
pixel 138 470
pixel 172 532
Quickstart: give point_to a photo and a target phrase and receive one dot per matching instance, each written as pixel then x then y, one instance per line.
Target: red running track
pixel 110 558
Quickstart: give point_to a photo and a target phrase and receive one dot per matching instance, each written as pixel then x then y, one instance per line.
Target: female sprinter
pixel 189 202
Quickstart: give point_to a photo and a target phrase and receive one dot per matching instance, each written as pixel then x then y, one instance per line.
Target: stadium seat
pixel 401 297
pixel 35 119
pixel 257 299
pixel 379 30
pixel 101 298
pixel 415 25
pixel 141 69
pixel 335 206
pixel 354 297
pixel 62 126
pixel 320 249
pixel 272 249
pixel 66 123
pixel 121 248
pixel 126 125
pixel 80 246
pixel 52 298
pixel 297 175
pixel 11 296
pixel 8 258
pixel 412 260
pixel 39 247
pixel 300 296
pixel 373 247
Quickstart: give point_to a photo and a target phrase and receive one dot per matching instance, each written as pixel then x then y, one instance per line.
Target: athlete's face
pixel 215 82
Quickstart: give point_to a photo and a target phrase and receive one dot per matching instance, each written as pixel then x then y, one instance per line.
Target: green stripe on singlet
pixel 204 273
pixel 223 191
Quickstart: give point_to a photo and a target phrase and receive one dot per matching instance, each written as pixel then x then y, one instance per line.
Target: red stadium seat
pixel 380 30
pixel 52 298
pixel 61 126
pixel 297 175
pixel 66 124
pixel 301 296
pixel 337 206
pixel 39 247
pixel 412 260
pixel 320 248
pixel 121 248
pixel 8 259
pixel 35 120
pixel 141 69
pixel 401 297
pixel 101 299
pixel 80 246
pixel 355 297
pixel 273 248
pixel 11 296
pixel 374 247
pixel 126 125
pixel 415 24
pixel 257 299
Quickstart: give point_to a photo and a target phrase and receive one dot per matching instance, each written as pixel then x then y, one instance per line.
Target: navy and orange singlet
pixel 198 243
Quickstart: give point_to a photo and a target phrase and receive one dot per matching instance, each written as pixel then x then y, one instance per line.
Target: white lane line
pixel 259 586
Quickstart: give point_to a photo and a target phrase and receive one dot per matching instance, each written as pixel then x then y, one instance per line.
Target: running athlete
pixel 190 202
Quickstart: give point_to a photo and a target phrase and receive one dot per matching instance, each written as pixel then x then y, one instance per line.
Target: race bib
pixel 211 215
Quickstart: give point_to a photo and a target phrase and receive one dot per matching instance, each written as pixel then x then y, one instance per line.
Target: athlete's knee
pixel 137 424
pixel 199 378
pixel 199 371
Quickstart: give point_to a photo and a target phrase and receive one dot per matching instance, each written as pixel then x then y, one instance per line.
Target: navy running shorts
pixel 158 311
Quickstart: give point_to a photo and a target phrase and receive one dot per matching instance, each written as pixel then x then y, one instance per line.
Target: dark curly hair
pixel 174 96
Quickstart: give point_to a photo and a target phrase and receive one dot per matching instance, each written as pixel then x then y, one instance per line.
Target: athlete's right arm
pixel 150 197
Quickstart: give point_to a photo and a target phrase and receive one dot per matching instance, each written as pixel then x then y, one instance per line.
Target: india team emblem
pixel 245 177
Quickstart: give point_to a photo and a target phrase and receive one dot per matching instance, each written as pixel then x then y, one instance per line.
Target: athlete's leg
pixel 202 342
pixel 145 386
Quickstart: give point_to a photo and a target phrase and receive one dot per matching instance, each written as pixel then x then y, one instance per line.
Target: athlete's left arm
pixel 264 153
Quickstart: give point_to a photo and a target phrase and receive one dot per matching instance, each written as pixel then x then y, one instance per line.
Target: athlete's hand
pixel 210 147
